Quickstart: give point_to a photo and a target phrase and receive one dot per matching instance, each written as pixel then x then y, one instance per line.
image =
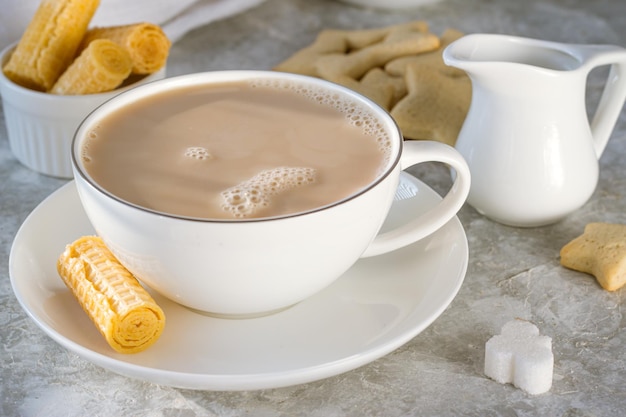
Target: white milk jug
pixel 532 153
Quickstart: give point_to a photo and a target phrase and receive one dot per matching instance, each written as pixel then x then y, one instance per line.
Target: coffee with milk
pixel 236 150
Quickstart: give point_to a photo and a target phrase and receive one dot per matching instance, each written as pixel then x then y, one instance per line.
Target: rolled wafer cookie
pixel 122 310
pixel 102 66
pixel 146 43
pixel 49 42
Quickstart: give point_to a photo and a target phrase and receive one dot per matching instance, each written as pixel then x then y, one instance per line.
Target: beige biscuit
pixel 601 252
pixel 303 61
pixel 335 41
pixel 354 65
pixel 378 86
pixel 435 106
pixel 359 39
pixel 350 70
pixel 384 89
pixel 397 67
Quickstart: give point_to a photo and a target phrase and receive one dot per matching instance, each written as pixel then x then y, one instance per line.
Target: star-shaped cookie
pixel 601 252
pixel 435 106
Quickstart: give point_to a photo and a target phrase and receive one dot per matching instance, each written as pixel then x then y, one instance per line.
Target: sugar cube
pixel 521 356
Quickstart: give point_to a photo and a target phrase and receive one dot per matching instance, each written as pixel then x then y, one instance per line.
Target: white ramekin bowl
pixel 40 126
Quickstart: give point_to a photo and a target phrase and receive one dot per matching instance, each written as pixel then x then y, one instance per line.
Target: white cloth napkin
pixel 176 17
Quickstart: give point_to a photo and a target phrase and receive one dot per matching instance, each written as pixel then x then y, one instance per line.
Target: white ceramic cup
pixel 242 268
pixel 40 126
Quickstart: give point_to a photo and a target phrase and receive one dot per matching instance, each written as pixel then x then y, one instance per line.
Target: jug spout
pixel 473 52
pixel 517 67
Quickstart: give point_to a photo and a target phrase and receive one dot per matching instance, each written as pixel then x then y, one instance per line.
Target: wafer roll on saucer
pixel 102 66
pixel 146 43
pixel 122 310
pixel 49 42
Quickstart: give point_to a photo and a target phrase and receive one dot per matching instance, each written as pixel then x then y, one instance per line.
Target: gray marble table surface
pixel 513 272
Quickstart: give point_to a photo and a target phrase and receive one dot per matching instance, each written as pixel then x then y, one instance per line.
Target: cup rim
pixel 212 77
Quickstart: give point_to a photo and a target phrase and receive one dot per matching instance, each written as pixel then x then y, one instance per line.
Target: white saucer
pixel 377 306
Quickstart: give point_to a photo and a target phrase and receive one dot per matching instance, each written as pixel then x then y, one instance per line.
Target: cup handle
pixel 614 93
pixel 415 152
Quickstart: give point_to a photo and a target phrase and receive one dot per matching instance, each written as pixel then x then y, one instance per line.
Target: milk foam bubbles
pixel 92 135
pixel 245 199
pixel 356 114
pixel 198 152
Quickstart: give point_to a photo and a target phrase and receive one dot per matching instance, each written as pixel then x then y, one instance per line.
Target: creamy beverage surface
pixel 235 151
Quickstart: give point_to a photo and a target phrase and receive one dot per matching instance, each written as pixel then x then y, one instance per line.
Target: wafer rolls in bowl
pixel 145 42
pixel 101 67
pixel 41 125
pixel 50 42
pixel 61 70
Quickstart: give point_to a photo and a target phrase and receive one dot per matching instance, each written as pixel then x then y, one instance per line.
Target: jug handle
pixel 613 95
